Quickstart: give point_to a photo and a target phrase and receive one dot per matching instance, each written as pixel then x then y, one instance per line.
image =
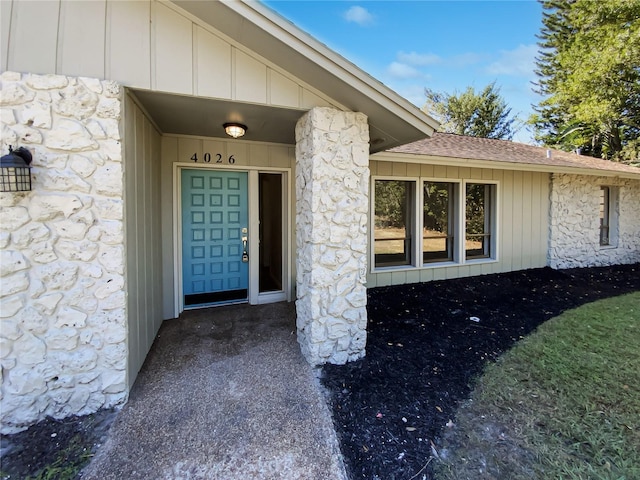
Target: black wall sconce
pixel 15 172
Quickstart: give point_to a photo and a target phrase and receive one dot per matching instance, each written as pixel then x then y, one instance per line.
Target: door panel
pixel 214 214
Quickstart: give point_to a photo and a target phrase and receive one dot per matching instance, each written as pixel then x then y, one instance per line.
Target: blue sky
pixel 446 45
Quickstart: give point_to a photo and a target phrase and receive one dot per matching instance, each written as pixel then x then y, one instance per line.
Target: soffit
pixel 393 120
pixel 187 115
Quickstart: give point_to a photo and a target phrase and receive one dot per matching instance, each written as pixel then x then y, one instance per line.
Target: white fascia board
pixel 332 62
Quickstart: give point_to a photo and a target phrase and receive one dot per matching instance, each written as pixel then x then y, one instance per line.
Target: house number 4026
pixel 217 158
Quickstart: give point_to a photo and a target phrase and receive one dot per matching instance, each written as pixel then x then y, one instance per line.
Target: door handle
pixel 245 254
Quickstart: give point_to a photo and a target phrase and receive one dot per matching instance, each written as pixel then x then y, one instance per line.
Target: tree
pixel 484 114
pixel 589 72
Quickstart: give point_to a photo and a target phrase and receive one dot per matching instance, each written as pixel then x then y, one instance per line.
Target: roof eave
pixel 313 62
pixel 498 165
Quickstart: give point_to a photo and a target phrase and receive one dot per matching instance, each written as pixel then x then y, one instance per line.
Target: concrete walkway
pixel 224 394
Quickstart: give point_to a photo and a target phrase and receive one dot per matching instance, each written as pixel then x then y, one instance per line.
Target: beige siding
pixel 180 149
pixel 5 25
pixel 283 90
pixel 522 222
pixel 144 44
pixel 172 56
pixel 81 38
pixel 213 65
pixel 128 38
pixel 33 37
pixel 250 79
pixel 143 250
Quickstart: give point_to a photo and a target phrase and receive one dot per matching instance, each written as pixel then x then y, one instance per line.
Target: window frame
pixel 492 221
pixel 610 213
pixel 412 230
pixel 459 223
pixel 453 223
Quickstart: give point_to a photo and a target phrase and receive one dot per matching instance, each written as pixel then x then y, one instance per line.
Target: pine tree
pixel 589 74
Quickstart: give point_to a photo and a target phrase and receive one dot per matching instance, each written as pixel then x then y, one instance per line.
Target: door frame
pixel 254 296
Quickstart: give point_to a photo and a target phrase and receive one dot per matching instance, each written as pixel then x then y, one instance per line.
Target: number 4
pixel 194 157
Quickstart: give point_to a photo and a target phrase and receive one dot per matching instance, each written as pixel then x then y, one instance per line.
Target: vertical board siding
pixel 213 65
pixel 144 251
pixel 172 59
pixel 131 231
pixel 137 195
pixel 527 216
pixel 34 36
pixel 506 225
pixel 250 78
pixel 522 215
pixel 283 91
pixel 143 44
pixel 516 221
pixel 128 38
pixel 81 39
pixel 168 155
pixel 5 27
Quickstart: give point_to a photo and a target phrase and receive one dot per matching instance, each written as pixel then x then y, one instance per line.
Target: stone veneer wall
pixel 575 222
pixel 332 204
pixel 62 298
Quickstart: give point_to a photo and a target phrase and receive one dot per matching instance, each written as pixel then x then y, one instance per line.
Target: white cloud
pixel 467 59
pixel 359 15
pixel 517 62
pixel 403 71
pixel 418 59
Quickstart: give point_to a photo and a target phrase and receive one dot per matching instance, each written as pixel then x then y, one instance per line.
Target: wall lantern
pixel 15 173
pixel 235 130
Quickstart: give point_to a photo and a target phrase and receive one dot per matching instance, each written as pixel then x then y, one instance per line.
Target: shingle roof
pixel 486 149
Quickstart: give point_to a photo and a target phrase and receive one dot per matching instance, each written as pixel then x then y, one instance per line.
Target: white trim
pixel 372 222
pixel 253 234
pixel 254 297
pixel 321 55
pixel 458 219
pixel 493 212
pixel 459 256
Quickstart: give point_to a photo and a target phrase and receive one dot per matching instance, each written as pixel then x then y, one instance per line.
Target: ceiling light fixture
pixel 235 130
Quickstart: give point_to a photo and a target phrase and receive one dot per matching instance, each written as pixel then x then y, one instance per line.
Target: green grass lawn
pixel 564 403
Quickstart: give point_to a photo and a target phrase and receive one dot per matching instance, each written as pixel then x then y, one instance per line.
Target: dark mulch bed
pixel 54 449
pixel 424 351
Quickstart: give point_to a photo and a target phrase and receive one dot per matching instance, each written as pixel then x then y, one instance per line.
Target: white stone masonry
pixel 332 204
pixel 575 222
pixel 62 299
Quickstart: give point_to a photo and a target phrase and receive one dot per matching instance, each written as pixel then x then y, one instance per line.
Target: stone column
pixel 332 204
pixel 63 331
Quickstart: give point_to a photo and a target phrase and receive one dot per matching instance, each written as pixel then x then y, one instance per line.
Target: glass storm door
pixel 215 266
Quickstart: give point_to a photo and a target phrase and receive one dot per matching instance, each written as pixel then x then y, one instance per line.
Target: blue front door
pixel 215 266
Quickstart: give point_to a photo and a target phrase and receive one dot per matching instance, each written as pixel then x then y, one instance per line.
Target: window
pixel 393 222
pixel 478 220
pixel 605 208
pixel 438 222
pixel 608 216
pixel 420 222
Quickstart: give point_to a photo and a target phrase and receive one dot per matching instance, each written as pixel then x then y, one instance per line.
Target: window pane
pixel 392 222
pixel 437 234
pixel 478 221
pixel 604 215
